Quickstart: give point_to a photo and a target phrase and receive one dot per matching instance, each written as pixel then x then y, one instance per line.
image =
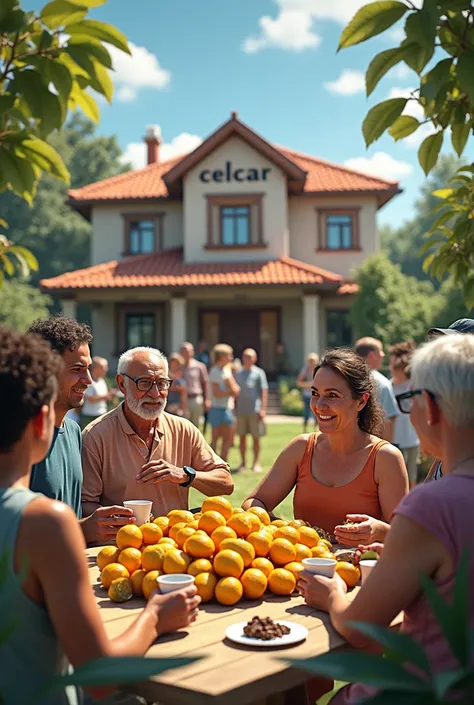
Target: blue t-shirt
pixel 251 383
pixel 59 475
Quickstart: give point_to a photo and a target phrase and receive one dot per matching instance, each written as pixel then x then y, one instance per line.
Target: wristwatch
pixel 191 474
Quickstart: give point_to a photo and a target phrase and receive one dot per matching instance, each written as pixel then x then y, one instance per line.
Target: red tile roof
pixel 167 269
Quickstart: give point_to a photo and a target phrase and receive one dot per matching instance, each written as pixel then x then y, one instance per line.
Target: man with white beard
pixel 138 451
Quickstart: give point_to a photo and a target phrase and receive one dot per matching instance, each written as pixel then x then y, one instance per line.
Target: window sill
pixel 259 246
pixel 343 249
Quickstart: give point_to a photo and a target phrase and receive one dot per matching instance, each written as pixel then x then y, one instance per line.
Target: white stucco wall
pixel 304 224
pixel 274 204
pixel 103 329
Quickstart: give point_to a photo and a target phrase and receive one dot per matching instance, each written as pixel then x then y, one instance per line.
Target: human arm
pixel 280 479
pixel 205 386
pixel 183 397
pixel 301 383
pixel 264 395
pixel 392 482
pixel 391 411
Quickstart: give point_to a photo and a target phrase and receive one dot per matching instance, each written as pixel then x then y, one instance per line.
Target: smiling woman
pixel 345 473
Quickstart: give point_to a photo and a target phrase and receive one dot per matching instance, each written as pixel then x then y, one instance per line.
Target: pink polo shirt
pixel 113 454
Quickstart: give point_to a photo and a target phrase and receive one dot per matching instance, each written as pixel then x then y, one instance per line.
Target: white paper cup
pixel 320 566
pixel 366 568
pixel 173 582
pixel 141 509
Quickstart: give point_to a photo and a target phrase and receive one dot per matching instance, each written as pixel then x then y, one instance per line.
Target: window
pixel 338 229
pixel 143 233
pixel 339 330
pixel 235 225
pixel 140 330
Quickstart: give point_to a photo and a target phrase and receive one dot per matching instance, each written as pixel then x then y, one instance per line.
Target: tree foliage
pixel 21 304
pixel 438 45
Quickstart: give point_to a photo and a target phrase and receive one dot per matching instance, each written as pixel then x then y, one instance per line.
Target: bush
pixel 292 403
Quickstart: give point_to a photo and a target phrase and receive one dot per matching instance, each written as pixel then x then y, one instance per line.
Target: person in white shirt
pixel 224 389
pixel 97 394
pixel 404 436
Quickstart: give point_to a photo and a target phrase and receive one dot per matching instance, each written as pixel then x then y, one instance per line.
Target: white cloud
pixel 141 69
pixel 397 34
pixel 400 71
pixel 349 83
pixel 135 152
pixel 382 165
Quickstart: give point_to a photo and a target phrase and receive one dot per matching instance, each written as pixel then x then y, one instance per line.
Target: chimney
pixel 153 141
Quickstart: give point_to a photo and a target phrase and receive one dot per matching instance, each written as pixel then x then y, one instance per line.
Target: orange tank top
pixel 327 507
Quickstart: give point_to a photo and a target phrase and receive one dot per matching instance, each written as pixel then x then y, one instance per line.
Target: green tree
pixel 438 45
pixel 391 306
pixel 21 304
pixel 49 63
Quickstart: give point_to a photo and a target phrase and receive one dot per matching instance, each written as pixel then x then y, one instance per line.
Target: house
pixel 239 241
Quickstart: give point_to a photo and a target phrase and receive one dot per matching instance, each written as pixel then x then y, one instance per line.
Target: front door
pixel 240 328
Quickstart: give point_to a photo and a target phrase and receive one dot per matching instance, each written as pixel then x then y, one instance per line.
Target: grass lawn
pixel 278 435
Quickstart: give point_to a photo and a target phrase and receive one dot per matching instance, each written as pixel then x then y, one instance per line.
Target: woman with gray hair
pixel 432 526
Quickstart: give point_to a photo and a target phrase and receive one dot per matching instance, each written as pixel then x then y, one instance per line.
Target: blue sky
pixel 274 61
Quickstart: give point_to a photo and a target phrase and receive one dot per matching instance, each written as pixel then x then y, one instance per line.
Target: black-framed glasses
pixel 405 400
pixel 144 384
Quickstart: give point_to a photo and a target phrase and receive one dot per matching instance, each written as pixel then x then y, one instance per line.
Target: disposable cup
pixel 366 568
pixel 320 566
pixel 141 509
pixel 173 582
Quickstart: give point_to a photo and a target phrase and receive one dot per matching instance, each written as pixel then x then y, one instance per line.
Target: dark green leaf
pixel 442 219
pixel 417 56
pixel 434 80
pixel 19 174
pixel 55 72
pixel 465 73
pixel 381 117
pixel 393 698
pixel 6 6
pixel 469 294
pixel 44 105
pixel 46 40
pixel 106 671
pixel 444 681
pixel 42 154
pixel 13 22
pixel 100 80
pixel 363 668
pixel 421 26
pixel 459 136
pixel 380 64
pixel 92 47
pixel 428 261
pixel 9 627
pixel 460 600
pixel 403 126
pixel 103 31
pixel 370 20
pixel 61 13
pixel 402 647
pixel 6 103
pixel 429 151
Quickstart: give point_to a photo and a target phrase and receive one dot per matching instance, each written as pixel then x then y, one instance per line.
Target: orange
pixel 111 572
pixel 206 585
pixel 197 516
pixel 288 532
pixel 326 543
pixel 221 533
pixel 218 504
pixel 241 523
pixel 261 541
pixel 297 523
pixel 238 510
pixel 254 583
pixel 228 563
pixel 302 551
pixel 308 536
pixel 348 572
pixel 199 546
pixel 136 579
pixel 129 536
pixel 173 530
pixel 153 556
pixel 255 522
pixel 210 521
pixel 184 534
pixel 120 590
pixel 149 583
pixel 281 581
pixel 295 567
pixel 263 564
pixel 202 565
pixel 320 551
pixel 241 546
pixel 163 523
pixel 167 540
pixel 280 522
pixel 176 516
pixel 152 533
pixel 262 514
pixel 194 524
pixel 176 561
pixel 108 554
pixel 131 558
pixel 272 529
pixel 282 552
pixel 228 591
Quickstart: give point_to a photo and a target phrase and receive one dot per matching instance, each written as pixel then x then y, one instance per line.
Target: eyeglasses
pixel 405 400
pixel 144 384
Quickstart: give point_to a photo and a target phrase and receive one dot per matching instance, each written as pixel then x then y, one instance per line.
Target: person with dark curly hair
pixel 59 474
pixel 58 616
pixel 344 472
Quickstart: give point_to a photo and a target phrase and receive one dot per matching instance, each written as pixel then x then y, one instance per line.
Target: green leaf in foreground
pixel 402 647
pixel 381 117
pixel 371 20
pixel 429 151
pixel 403 126
pixel 103 31
pixel 381 64
pixel 42 154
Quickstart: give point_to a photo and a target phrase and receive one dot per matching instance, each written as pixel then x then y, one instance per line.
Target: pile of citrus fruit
pixel 232 553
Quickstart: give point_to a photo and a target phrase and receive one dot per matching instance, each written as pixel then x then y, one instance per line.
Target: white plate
pixel 297 633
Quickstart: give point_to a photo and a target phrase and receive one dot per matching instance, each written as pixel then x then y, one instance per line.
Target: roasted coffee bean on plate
pixel 265 629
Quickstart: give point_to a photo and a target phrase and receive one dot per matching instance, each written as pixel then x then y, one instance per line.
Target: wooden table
pixel 227 673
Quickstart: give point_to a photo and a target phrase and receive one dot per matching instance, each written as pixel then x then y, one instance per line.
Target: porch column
pixel 69 308
pixel 178 322
pixel 311 336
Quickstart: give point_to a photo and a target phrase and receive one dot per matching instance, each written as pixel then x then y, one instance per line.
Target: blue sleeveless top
pixel 32 655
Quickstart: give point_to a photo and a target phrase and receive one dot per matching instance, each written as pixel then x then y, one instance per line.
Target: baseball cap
pixel 461 326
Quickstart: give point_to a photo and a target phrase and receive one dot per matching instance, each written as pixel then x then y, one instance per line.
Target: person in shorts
pixel 251 406
pixel 223 391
